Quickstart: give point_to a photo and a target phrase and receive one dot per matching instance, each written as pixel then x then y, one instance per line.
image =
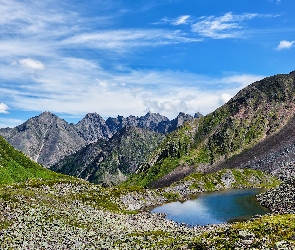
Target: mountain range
pixel 255 129
pixel 46 138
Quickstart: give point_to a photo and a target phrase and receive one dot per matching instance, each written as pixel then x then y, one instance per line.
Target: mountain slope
pixel 110 161
pixel 45 138
pixel 257 112
pixel 16 167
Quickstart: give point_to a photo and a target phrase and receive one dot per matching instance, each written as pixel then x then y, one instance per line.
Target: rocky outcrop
pixel 152 121
pixel 47 139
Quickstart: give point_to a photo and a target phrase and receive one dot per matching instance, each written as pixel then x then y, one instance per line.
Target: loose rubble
pixel 280 199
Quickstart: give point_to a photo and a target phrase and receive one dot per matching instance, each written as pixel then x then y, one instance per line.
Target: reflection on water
pixel 215 207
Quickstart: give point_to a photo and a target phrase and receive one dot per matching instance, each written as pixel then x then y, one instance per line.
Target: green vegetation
pixel 16 167
pixel 266 231
pixel 38 200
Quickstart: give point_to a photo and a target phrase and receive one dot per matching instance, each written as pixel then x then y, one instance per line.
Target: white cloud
pixel 285 45
pixel 226 26
pixel 31 63
pixel 181 20
pixel 75 86
pixel 4 108
pixel 224 97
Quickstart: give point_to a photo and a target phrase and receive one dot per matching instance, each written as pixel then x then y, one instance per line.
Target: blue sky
pixel 129 57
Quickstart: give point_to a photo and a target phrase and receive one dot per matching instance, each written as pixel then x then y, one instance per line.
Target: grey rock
pixel 283 245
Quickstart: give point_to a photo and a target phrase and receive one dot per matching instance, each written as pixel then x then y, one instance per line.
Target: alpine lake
pixel 215 207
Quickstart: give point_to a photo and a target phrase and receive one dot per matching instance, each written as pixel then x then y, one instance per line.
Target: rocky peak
pixel 179 121
pixel 45 138
pixel 93 127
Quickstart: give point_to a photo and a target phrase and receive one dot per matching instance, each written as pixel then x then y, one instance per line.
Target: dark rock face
pixel 45 138
pixel 109 161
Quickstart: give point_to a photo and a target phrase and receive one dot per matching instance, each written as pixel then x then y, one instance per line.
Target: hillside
pixel 110 161
pixel 16 167
pixel 255 115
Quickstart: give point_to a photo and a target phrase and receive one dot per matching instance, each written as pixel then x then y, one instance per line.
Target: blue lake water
pixel 214 207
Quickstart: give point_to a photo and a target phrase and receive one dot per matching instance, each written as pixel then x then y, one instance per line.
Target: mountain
pixel 109 162
pixel 16 167
pixel 257 122
pixel 45 138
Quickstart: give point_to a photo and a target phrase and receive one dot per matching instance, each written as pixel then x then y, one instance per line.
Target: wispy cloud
pixel 285 45
pixel 44 62
pixel 181 20
pixel 123 40
pixel 227 26
pixel 75 86
pixel 9 122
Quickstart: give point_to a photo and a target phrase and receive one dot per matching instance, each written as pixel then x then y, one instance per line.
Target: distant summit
pixel 93 127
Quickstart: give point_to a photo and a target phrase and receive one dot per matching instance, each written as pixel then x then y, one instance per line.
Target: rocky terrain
pixel 92 128
pixel 74 214
pixel 253 130
pixel 280 199
pixel 109 162
pixel 275 154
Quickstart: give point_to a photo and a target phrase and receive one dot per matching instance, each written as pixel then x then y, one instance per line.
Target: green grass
pixel 245 178
pixel 268 230
pixel 16 167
